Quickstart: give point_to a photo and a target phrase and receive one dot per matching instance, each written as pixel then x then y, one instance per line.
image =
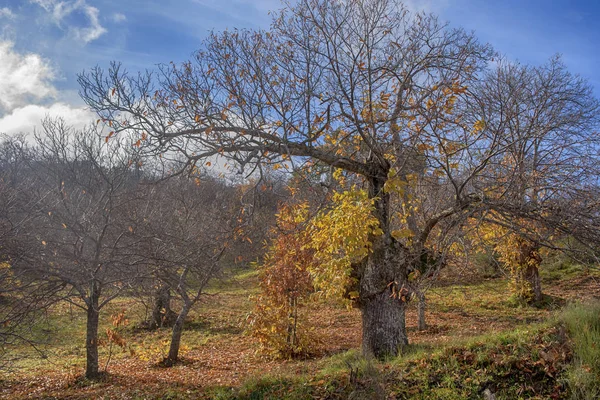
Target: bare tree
pixel 183 226
pixel 543 118
pixel 75 236
pixel 23 299
pixel 363 86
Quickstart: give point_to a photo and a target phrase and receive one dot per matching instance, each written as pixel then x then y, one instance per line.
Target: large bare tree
pixel 75 235
pixel 359 85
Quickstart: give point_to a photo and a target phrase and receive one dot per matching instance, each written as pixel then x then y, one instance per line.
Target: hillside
pixel 476 340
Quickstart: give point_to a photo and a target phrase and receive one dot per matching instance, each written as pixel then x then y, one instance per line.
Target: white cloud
pixel 118 17
pixel 26 93
pixel 5 12
pixel 23 78
pixel 27 119
pixel 59 10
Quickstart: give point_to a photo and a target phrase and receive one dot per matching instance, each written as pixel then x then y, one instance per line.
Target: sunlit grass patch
pixel 583 324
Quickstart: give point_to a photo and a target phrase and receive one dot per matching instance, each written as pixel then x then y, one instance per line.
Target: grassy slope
pixel 476 340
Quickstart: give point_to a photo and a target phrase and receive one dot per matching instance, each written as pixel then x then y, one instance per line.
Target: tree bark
pixel 383 294
pixel 530 260
pixel 532 276
pixel 421 305
pixel 173 356
pixel 384 326
pixel 91 339
pixel 162 314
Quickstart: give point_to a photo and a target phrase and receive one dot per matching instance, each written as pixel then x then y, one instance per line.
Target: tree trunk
pixel 91 339
pixel 532 276
pixel 383 293
pixel 162 314
pixel 173 356
pixel 292 339
pixel 421 305
pixel 384 326
pixel 529 273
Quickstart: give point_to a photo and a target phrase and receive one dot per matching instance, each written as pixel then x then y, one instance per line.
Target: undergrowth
pixel 530 363
pixel 583 325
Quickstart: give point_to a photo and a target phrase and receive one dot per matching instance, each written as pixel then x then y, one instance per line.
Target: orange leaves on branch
pixel 278 319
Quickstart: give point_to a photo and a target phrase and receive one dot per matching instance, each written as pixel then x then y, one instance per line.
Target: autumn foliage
pixel 520 256
pixel 285 284
pixel 341 236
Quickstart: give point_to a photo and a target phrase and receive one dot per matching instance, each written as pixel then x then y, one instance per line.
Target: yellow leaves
pixel 285 283
pixel 395 185
pixel 478 126
pixel 208 164
pixel 404 233
pixel 341 236
pixel 515 251
pixel 384 99
pixel 422 147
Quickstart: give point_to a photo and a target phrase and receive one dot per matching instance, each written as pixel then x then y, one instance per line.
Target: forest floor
pixel 220 361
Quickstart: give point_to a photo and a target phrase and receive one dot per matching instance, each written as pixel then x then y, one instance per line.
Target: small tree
pixel 183 227
pixel 285 285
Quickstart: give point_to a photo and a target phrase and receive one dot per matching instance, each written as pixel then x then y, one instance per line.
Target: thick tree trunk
pixel 384 325
pixel 383 293
pixel 162 314
pixel 173 356
pixel 530 259
pixel 532 276
pixel 91 339
pixel 421 305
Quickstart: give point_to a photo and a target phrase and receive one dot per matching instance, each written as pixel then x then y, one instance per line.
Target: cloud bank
pixel 29 94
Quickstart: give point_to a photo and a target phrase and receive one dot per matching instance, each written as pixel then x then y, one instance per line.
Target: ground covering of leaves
pixel 219 361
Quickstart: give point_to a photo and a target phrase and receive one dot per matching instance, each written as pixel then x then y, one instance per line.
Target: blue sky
pixel 45 43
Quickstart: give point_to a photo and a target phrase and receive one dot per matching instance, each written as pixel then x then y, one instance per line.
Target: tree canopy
pixel 426 116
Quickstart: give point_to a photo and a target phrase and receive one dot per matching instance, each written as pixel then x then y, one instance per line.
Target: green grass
pixel 60 336
pixel 583 325
pixel 526 363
